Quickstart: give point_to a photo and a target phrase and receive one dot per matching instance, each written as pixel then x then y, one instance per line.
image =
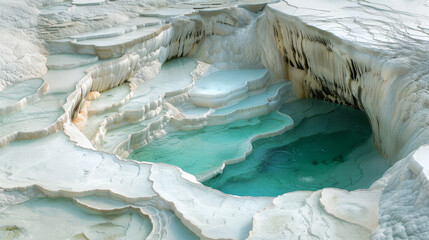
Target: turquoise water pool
pixel 204 151
pixel 330 146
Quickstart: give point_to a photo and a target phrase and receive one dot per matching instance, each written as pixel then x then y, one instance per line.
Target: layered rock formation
pixel 85 83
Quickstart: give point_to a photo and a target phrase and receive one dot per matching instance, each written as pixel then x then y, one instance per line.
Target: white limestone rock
pixel 209 214
pixel 301 215
pixel 371 55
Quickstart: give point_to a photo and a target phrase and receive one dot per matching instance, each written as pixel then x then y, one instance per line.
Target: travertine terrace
pixel 84 83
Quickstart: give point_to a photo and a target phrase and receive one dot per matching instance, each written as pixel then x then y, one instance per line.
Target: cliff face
pixel 384 78
pixel 375 60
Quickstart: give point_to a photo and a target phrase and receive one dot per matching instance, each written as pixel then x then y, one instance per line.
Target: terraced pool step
pixel 116 39
pixel 34 117
pixel 166 12
pixel 225 87
pixel 115 137
pixel 19 95
pixel 87 2
pixel 68 61
pixel 110 98
pixel 104 33
pixel 65 80
pixel 255 105
pixel 174 78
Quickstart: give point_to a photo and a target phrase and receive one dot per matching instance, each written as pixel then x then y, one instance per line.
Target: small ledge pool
pixel 203 152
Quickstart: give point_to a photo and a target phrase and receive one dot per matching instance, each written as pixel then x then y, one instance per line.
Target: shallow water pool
pixel 204 151
pixel 330 146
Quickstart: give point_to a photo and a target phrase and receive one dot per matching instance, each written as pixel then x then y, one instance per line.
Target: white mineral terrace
pixel 86 85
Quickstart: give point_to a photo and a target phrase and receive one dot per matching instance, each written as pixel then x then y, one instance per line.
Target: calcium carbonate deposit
pixel 214 119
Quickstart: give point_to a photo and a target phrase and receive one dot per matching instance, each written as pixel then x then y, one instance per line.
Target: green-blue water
pixel 330 146
pixel 203 151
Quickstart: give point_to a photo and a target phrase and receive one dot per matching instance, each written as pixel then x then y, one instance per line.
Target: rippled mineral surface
pixel 201 119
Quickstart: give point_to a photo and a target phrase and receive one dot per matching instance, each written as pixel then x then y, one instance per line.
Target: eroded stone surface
pixel 371 55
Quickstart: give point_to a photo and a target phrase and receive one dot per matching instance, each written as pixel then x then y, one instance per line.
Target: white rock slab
pixel 166 12
pixel 55 9
pixel 65 80
pixel 208 213
pixel 109 98
pixel 360 206
pixel 104 33
pixel 72 168
pixel 19 95
pixel 87 2
pixel 35 219
pixel 226 87
pixel 104 40
pixel 36 116
pixel 255 105
pixel 299 215
pixel 67 61
pixel 165 225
